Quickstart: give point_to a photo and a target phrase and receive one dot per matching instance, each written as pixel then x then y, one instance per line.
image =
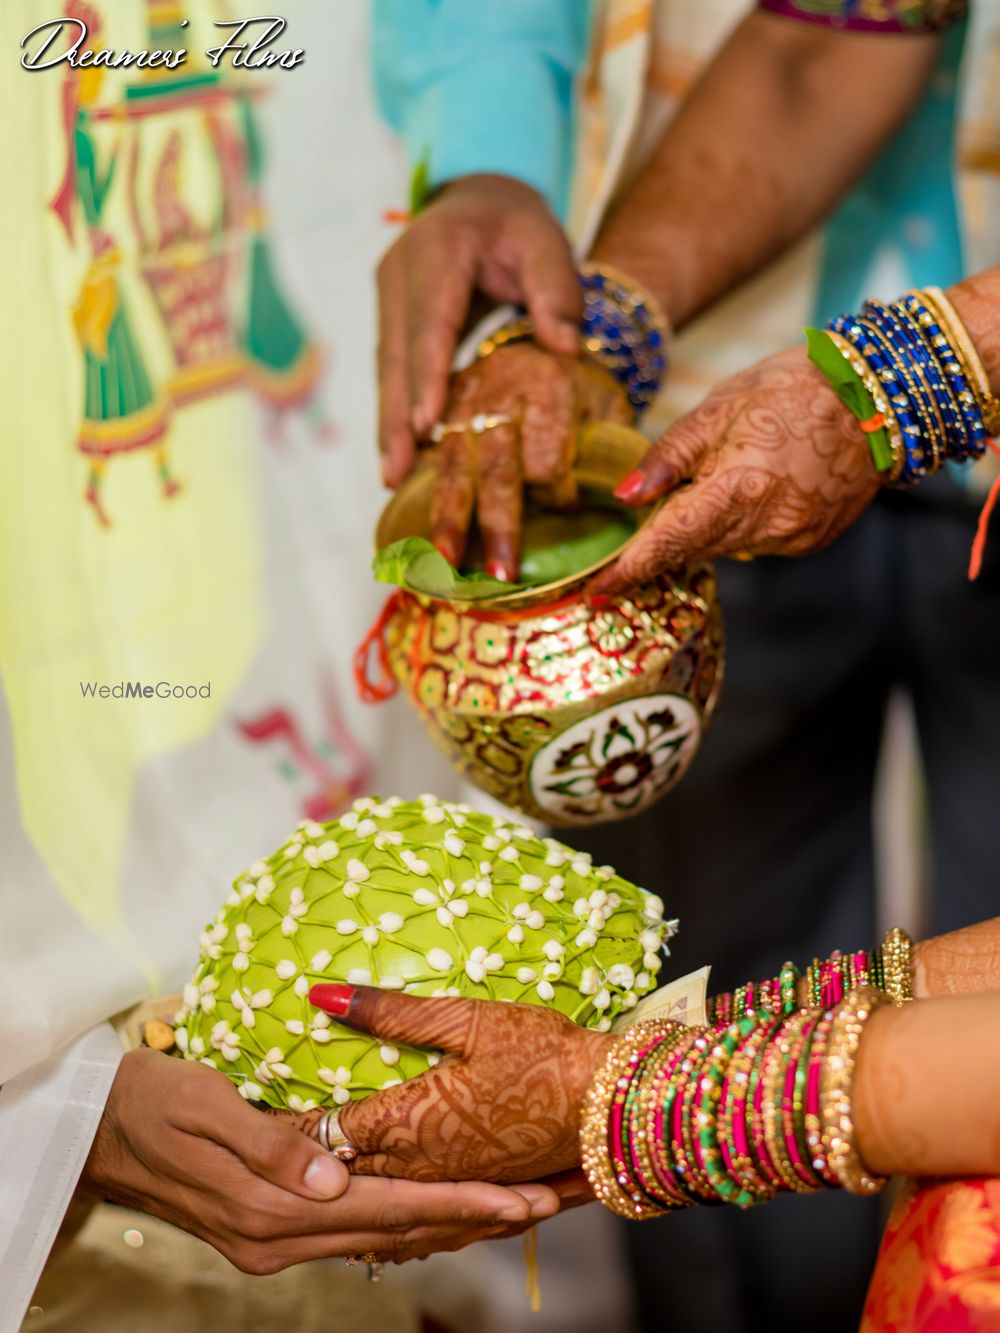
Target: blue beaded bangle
pixel 914 352
pixel 913 362
pixel 952 369
pixel 898 321
pixel 624 330
pixel 911 430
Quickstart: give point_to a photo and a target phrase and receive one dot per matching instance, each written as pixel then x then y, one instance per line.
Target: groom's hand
pixel 179 1142
pixel 484 234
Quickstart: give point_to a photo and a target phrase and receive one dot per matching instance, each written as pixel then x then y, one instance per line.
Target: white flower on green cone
pixel 338 1080
pixel 226 1041
pixel 201 995
pixel 273 1066
pixel 246 1003
pixel 244 947
pixel 296 911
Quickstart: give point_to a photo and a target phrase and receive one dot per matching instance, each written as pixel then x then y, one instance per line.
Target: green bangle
pixel 788 984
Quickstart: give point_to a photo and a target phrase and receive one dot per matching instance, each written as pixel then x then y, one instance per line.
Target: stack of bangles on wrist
pixel 754 1104
pixel 888 968
pixel 679 1116
pixel 928 391
pixel 623 329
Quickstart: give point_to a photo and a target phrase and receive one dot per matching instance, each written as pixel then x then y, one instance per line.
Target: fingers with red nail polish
pixel 631 488
pixel 334 997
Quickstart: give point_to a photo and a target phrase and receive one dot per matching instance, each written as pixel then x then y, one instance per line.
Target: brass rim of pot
pixel 606 454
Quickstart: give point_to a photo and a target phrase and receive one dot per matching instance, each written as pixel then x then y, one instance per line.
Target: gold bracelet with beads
pixel 837 1089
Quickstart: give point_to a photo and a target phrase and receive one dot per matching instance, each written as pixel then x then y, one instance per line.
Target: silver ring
pixel 331 1137
pixel 478 425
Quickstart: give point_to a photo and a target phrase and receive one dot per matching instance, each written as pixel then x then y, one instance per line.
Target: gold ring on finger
pixel 478 425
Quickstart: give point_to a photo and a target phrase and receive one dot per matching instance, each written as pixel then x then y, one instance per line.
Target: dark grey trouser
pixel 764 851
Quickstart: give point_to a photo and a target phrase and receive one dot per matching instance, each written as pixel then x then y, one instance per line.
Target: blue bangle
pixel 625 330
pixel 915 446
pixel 901 326
pixel 913 364
pixel 952 369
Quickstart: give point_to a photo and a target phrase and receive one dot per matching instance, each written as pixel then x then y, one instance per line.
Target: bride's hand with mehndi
pixel 545 398
pixel 771 463
pixel 503 1103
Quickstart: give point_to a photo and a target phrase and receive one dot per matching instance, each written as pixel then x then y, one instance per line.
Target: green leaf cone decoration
pixel 424 896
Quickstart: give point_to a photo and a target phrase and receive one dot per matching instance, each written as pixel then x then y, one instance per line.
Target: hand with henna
pixel 502 1105
pixel 547 397
pixel 771 463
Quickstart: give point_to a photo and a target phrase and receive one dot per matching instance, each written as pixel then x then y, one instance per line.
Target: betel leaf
pixel 420 184
pixel 850 389
pixel 415 564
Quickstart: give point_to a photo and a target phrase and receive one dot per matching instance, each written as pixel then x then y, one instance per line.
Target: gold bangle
pixel 515 330
pixel 837 1087
pixel 969 358
pixel 878 396
pixel 897 966
pixel 641 1122
pixel 608 1183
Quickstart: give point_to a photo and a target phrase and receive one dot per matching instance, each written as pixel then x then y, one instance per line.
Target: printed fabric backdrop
pixel 190 487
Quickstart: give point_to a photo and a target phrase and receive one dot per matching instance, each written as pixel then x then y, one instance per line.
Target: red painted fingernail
pixel 599 600
pixel 446 549
pixel 334 997
pixel 632 486
pixel 498 570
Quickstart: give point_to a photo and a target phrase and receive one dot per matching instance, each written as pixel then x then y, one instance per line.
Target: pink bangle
pixel 793 1149
pixel 755 1124
pixel 813 1120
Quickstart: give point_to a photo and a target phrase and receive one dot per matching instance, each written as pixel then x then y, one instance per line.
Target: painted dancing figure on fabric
pixel 284 365
pixel 123 409
pixel 328 773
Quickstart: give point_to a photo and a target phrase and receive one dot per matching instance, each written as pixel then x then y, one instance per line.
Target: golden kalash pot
pixel 571 713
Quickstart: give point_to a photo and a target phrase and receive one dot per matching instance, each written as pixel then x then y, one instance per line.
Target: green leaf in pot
pixel 575 542
pixel 416 564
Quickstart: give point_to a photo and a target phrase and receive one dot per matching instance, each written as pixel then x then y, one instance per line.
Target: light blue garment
pixel 483 85
pixel 487 85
